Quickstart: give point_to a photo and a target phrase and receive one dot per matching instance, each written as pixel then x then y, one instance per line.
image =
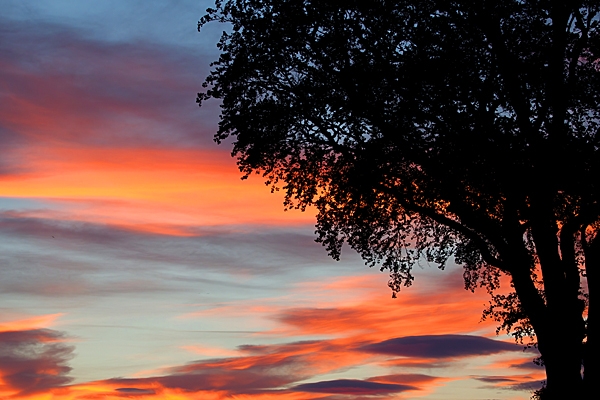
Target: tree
pixel 436 129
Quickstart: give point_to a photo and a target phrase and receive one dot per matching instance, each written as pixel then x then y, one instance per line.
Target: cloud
pixel 512 382
pixel 440 346
pixel 404 378
pixel 495 379
pixel 528 364
pixel 325 320
pixel 234 375
pixel 260 370
pixel 62 84
pixel 277 368
pixel 91 120
pixel 353 387
pixel 77 255
pixel 33 361
pixel 361 305
pixel 29 323
pixel 135 391
pixel 527 385
pixel 318 356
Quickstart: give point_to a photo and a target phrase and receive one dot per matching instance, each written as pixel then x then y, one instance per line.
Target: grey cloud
pixel 440 346
pixel 67 258
pixel 353 387
pixel 145 91
pixel 34 360
pixel 527 365
pixel 135 391
pixel 506 383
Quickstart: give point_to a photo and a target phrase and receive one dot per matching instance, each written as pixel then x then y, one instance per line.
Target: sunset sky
pixel 135 264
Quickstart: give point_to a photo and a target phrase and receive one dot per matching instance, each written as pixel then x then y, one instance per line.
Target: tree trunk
pixel 562 329
pixel 590 372
pixel 559 330
pixel 560 341
pixel 562 360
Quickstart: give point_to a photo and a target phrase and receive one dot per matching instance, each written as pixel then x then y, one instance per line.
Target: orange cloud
pixel 361 305
pixel 116 135
pixel 30 323
pixel 156 190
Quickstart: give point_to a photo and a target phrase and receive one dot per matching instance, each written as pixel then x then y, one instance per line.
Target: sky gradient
pixel 136 264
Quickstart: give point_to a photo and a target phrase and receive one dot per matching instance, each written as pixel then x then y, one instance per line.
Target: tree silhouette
pixel 436 129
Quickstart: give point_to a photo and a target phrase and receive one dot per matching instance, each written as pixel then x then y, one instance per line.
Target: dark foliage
pixel 434 129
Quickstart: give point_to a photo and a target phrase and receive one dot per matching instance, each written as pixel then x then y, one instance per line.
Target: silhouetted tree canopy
pixel 435 129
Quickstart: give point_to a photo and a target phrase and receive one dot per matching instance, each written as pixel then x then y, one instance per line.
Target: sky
pixel 136 264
